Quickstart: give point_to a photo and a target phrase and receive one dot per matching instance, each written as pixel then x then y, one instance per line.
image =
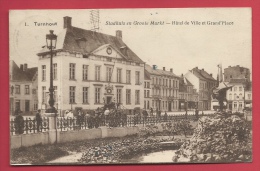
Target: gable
pixel 109 51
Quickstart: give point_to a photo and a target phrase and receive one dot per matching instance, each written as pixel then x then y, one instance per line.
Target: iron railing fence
pixel 66 124
pixel 28 126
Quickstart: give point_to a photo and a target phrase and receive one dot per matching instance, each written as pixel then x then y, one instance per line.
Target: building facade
pixel 23 89
pixel 91 69
pixel 147 91
pixel 239 96
pixel 164 89
pixel 204 83
pixel 188 97
pixel 248 99
pixel 236 72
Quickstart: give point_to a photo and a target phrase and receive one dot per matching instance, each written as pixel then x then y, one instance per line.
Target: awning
pixel 221 87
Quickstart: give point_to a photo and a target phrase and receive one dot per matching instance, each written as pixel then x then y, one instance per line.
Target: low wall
pixel 26 140
pixel 78 135
pixel 16 141
pixel 122 131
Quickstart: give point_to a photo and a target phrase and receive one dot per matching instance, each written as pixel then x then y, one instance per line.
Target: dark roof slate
pixel 71 38
pixel 159 72
pixel 146 75
pixel 202 74
pixel 19 75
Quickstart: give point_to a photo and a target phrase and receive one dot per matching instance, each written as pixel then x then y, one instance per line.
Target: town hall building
pixel 90 69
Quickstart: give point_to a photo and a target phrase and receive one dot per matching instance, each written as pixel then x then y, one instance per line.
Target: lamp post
pixel 51 40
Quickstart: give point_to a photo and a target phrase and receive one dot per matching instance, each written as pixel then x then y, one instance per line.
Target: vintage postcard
pixel 130 86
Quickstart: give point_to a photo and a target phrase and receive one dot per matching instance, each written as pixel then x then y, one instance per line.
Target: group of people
pixel 19 121
pixel 100 117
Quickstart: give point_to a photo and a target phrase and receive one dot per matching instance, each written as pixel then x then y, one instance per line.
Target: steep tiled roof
pixel 182 87
pixel 20 75
pixel 68 40
pixel 146 75
pixel 150 70
pixel 159 72
pixel 202 74
pixel 188 82
pixel 168 73
pixel 30 72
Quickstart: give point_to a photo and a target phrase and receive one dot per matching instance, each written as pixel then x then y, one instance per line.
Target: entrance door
pixel 109 99
pixel 230 106
pixel 169 106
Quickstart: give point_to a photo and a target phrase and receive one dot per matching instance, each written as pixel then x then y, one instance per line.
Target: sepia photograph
pixel 130 86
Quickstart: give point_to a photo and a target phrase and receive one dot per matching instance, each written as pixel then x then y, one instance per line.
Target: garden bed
pixel 42 154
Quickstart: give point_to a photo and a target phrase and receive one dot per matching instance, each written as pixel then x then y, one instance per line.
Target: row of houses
pixel 91 69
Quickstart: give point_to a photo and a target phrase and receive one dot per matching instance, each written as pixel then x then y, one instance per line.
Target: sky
pixel 220 36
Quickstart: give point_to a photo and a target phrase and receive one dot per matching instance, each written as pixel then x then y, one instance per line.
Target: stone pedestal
pixel 53 132
pixel 104 132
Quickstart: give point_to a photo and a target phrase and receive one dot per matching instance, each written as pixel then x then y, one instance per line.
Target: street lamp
pixel 51 40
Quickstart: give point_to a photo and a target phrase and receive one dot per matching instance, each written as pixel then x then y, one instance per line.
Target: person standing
pixel 165 116
pixel 17 111
pixel 96 119
pixel 151 112
pixel 106 114
pixel 186 114
pixel 124 119
pixel 38 119
pixel 145 115
pixel 80 117
pixel 197 113
pixel 19 123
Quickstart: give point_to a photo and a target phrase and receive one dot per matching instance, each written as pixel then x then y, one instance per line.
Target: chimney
pixel 164 68
pixel 171 70
pixel 67 22
pixel 25 67
pixel 154 67
pixel 210 74
pixel 196 67
pixel 202 69
pixel 237 65
pixel 21 67
pixel 119 34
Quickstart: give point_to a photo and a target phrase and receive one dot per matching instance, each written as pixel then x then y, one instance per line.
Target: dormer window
pixel 81 42
pixel 123 50
pixel 85 56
